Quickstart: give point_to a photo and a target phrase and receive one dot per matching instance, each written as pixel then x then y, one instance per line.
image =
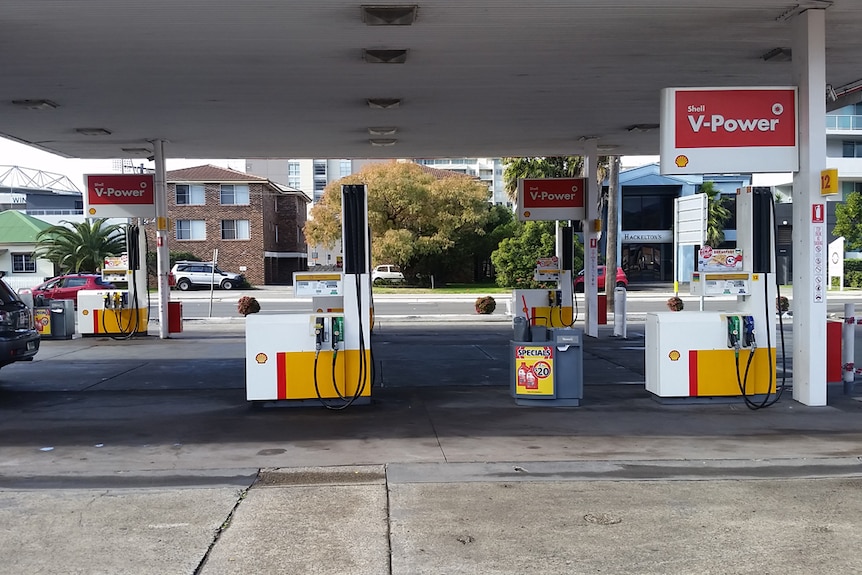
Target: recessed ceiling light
pixel 383 103
pixel 390 131
pixel 391 15
pixel 138 151
pixel 383 142
pixel 375 56
pixel 35 104
pixel 778 55
pixel 642 127
pixel 93 131
pixel 607 147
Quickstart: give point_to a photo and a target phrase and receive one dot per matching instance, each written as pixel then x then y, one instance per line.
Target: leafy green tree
pixel 848 221
pixel 80 247
pixel 717 214
pixel 417 219
pixel 515 259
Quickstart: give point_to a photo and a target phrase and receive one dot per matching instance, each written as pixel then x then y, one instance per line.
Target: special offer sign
pixel 715 130
pixel 551 198
pixel 120 196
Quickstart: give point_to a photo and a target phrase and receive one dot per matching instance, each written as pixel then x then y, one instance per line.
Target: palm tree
pixel 717 214
pixel 80 247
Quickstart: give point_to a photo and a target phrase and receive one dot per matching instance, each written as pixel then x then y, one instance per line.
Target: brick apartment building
pixel 256 224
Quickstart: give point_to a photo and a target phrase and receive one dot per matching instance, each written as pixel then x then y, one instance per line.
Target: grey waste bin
pixel 62 313
pixel 550 372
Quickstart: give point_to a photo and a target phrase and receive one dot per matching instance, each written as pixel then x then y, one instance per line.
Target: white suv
pixel 191 274
pixel 386 273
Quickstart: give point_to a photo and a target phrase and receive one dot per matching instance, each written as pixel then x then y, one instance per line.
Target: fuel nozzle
pixel 318 333
pixel 733 332
pixel 748 339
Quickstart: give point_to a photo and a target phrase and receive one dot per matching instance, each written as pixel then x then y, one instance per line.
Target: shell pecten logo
pixel 681 161
pixel 92 211
pixel 526 213
pixel 674 355
pixel 260 358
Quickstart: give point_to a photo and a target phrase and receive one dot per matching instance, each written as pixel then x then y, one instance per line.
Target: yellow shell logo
pixel 260 358
pixel 674 355
pixel 92 211
pixel 85 312
pixel 681 161
pixel 526 213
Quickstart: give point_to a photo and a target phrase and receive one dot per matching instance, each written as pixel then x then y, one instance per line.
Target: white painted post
pixel 163 265
pixel 591 163
pixel 809 276
pixel 619 312
pixel 848 347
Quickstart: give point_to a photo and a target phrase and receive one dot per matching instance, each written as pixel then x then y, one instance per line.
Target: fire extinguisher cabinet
pixel 549 372
pixel 175 317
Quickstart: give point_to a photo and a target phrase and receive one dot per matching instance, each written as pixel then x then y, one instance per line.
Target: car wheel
pixel 579 288
pixel 622 285
pixel 379 282
pixel 184 285
pixel 227 284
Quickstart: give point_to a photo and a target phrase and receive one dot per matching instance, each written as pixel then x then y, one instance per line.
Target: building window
pixel 293 176
pixel 23 264
pixel 647 212
pixel 234 195
pixel 234 229
pixel 344 168
pixel 191 230
pixel 190 195
pixel 852 149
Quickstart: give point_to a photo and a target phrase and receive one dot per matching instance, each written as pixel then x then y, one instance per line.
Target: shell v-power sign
pixel 551 198
pixel 729 130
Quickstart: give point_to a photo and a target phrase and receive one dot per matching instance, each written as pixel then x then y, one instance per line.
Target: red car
pixel 67 287
pixel 622 281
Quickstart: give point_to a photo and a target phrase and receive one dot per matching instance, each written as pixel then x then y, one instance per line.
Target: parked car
pixel 386 273
pixel 19 340
pixel 67 287
pixel 201 274
pixel 621 281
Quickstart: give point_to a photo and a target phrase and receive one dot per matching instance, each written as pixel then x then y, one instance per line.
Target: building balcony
pixel 848 168
pixel 840 123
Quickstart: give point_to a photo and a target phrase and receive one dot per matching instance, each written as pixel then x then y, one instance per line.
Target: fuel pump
pixel 118 313
pixel 730 352
pixel 322 357
pixel 553 307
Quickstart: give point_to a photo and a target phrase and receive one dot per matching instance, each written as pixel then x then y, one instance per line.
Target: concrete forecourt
pixel 143 456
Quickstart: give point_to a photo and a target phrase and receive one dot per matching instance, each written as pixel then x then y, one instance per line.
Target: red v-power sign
pixel 551 198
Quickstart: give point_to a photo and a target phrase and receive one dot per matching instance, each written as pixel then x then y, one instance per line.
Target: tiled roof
pixel 19 228
pixel 210 174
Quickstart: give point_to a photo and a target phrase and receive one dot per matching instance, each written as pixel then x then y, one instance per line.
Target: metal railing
pixel 837 122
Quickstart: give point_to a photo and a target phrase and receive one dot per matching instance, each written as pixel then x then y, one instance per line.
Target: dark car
pixel 67 287
pixel 621 279
pixel 19 340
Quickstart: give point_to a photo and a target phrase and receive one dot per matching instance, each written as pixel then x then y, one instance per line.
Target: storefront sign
pixel 551 199
pixel 647 237
pixel 120 196
pixel 715 130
